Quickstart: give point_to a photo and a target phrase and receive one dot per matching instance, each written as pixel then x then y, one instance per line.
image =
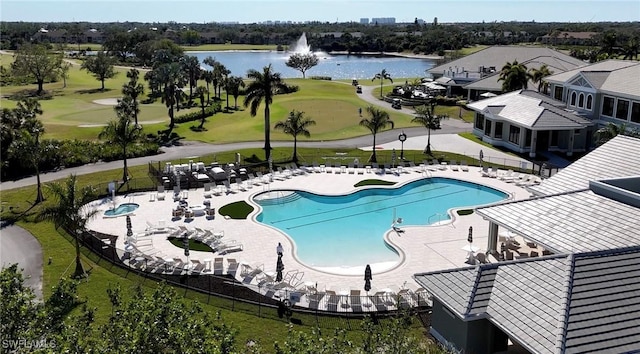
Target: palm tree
pixel 514 76
pixel 296 124
pixel 378 121
pixel 609 132
pixel 121 132
pixel 537 76
pixel 383 75
pixel 200 91
pixel 133 89
pixel 207 76
pixel 264 86
pixel 631 48
pixel 69 211
pixel 427 119
pixel 233 86
pixel 191 67
pixel 171 80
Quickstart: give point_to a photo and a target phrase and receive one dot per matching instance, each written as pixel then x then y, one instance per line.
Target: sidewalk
pixel 456 144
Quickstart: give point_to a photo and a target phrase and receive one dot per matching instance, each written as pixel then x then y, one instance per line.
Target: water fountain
pixel 301 46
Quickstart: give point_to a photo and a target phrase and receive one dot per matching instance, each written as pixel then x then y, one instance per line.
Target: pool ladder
pixel 439 215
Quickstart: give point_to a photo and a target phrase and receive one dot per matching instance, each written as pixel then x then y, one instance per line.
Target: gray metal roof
pixel 577 221
pixel 575 303
pixel 618 157
pixel 497 56
pixel 530 109
pixel 491 82
pixel 613 76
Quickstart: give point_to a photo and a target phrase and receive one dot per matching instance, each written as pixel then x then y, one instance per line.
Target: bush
pixel 328 78
pixel 190 117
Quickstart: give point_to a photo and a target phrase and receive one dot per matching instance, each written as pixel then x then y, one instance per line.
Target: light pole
pixel 402 137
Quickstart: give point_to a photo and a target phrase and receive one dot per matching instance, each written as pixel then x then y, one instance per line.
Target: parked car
pixel 358 89
pixel 396 103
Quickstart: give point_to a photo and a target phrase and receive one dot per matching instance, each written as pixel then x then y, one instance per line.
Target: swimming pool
pixel 122 209
pixel 347 231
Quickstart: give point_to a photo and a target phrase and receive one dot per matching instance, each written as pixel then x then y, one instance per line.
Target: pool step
pixel 276 197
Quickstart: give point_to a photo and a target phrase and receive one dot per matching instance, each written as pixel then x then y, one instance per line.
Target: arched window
pixel 573 99
pixel 589 102
pixel 581 100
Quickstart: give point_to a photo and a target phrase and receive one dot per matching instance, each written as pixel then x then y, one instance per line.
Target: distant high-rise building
pixel 364 20
pixel 383 20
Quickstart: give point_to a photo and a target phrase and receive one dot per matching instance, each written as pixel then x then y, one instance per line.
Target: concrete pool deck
pixel 424 248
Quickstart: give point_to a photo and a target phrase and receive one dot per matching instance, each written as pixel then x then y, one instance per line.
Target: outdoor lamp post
pixel 402 137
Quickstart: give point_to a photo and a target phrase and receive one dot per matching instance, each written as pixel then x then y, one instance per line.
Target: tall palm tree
pixel 427 118
pixel 378 120
pixel 207 76
pixel 296 124
pixel 200 91
pixel 263 87
pixel 383 75
pixel 171 80
pixel 514 76
pixel 133 89
pixel 121 132
pixel 191 67
pixel 631 48
pixel 538 75
pixel 233 86
pixel 69 210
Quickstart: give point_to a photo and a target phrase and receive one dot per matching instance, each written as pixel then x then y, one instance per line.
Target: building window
pixel 487 128
pixel 607 106
pixel 514 134
pixel 635 112
pixel 622 109
pixel 480 121
pixel 589 102
pixel 581 100
pixel 573 99
pixel 557 93
pixel 498 131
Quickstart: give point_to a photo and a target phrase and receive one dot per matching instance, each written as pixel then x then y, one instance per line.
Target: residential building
pixel 571 38
pixel 526 121
pixel 582 296
pixel 604 92
pixel 477 73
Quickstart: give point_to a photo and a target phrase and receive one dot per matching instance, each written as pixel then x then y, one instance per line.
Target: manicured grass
pixel 374 182
pixel 237 210
pixel 194 245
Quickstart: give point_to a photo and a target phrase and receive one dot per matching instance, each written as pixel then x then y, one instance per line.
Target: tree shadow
pixel 91 91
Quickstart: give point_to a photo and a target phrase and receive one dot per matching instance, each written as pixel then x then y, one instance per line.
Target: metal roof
pixel 571 222
pixel 572 303
pixel 618 157
pixel 530 109
pixel 497 56
pixel 613 76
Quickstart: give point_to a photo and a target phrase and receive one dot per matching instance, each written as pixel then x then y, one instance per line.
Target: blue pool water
pixel 347 231
pixel 122 209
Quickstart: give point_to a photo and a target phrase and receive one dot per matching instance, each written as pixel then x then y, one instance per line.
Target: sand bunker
pixel 107 101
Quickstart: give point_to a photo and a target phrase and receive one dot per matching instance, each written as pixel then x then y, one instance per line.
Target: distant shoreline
pixel 389 54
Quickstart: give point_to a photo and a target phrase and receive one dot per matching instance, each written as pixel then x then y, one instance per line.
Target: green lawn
pixel 59 248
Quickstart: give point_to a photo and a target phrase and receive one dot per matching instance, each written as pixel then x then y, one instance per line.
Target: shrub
pixel 328 78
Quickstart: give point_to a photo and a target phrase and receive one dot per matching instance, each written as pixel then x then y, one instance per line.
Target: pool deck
pixel 423 248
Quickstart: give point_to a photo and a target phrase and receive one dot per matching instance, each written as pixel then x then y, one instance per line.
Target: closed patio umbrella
pixel 129 228
pixel 279 268
pixel 367 278
pixel 481 157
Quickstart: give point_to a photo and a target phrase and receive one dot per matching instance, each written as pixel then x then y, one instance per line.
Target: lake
pixel 337 66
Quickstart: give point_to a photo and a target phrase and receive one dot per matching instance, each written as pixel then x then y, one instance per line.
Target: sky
pixel 255 11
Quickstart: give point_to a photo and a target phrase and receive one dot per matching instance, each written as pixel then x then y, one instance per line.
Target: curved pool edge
pixel 348 271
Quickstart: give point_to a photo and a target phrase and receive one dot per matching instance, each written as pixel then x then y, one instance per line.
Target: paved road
pixel 444 139
pixel 17 245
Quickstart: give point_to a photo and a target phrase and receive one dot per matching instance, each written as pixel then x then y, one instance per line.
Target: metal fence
pixel 325 309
